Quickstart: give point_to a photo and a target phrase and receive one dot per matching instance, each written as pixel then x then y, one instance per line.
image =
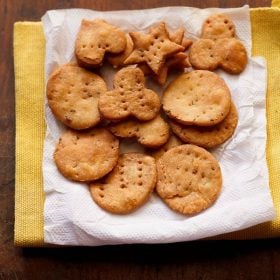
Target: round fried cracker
pixel 210 136
pixel 218 26
pixel 128 186
pixel 203 56
pixel 197 98
pixel 86 156
pixel 189 179
pixel 232 54
pixel 73 95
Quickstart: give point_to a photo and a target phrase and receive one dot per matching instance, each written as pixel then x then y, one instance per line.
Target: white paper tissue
pixel 71 216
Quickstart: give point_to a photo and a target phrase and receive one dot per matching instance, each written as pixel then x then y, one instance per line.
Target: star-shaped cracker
pixel 152 48
pixel 129 97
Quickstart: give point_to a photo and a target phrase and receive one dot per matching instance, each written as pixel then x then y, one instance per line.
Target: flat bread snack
pixel 189 179
pixel 86 156
pixel 152 134
pixel 218 47
pixel 218 26
pixel 73 95
pixel 197 113
pixel 197 98
pixel 208 136
pixel 117 60
pixel 152 48
pixel 95 38
pixel 128 186
pixel 232 54
pixel 129 97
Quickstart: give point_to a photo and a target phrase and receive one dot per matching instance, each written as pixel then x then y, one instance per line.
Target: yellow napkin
pixel 29 51
pixel 29 79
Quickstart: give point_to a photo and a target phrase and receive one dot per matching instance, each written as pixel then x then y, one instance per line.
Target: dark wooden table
pixel 195 260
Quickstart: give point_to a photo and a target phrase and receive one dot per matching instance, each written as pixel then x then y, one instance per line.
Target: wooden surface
pixel 196 260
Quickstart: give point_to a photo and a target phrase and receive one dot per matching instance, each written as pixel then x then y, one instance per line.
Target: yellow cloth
pixel 275 3
pixel 29 76
pixel 29 46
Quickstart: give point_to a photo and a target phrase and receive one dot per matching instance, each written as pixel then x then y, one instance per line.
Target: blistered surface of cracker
pixel 128 186
pixel 189 179
pixel 151 134
pixel 233 55
pixel 197 98
pixel 129 97
pixel 211 136
pixel 95 38
pixel 86 156
pixel 73 95
pixel 218 26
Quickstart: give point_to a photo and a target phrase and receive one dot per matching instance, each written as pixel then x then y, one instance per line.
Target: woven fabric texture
pixel 29 46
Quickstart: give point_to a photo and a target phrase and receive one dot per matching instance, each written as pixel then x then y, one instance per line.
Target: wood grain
pixel 196 260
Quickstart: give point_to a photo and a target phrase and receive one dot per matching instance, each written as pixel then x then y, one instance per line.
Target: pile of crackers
pixel 196 113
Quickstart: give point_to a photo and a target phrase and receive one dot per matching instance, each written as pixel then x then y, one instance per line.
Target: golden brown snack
pixel 229 54
pixel 73 95
pixel 203 55
pixel 218 26
pixel 128 186
pixel 117 60
pixel 178 61
pixel 150 134
pixel 189 179
pixel 218 47
pixel 152 48
pixel 177 36
pixel 129 97
pixel 86 156
pixel 232 54
pixel 186 43
pixel 95 38
pixel 172 142
pixel 197 98
pixel 211 136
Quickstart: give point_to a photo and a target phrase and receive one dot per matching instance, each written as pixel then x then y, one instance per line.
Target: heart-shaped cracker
pixel 189 179
pixel 128 186
pixel 197 98
pixel 218 26
pixel 86 156
pixel 129 97
pixel 73 95
pixel 95 38
pixel 150 134
pixel 152 48
pixel 210 136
